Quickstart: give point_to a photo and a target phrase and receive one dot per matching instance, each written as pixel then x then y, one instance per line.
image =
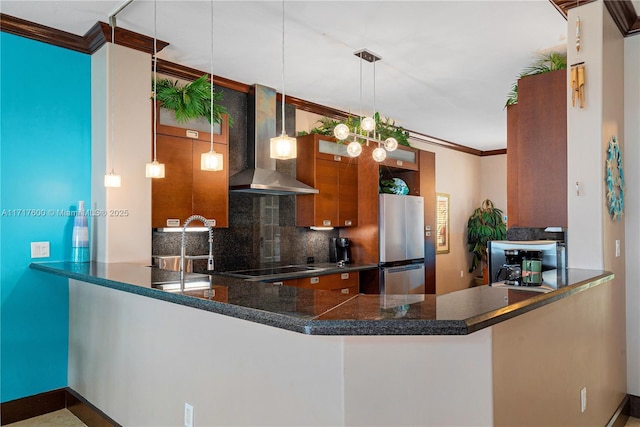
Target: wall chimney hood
pixel 261 177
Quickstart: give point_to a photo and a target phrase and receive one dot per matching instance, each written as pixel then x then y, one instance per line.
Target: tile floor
pixel 64 418
pixel 61 418
pixel 632 422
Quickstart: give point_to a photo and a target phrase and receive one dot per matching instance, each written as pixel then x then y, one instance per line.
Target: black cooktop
pixel 272 270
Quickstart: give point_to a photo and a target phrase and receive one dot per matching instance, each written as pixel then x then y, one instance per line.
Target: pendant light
pixel 111 180
pixel 211 161
pixel 283 147
pixel 155 169
pixel 366 132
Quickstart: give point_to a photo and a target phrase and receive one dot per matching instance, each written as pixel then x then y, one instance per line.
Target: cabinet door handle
pixel 344 276
pixel 314 280
pixel 347 222
pixel 345 290
pixel 326 222
pixel 399 162
pixel 337 158
pixel 278 283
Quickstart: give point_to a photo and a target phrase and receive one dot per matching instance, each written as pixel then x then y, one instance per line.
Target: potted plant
pixel 544 64
pixel 484 224
pixel 385 128
pixel 191 101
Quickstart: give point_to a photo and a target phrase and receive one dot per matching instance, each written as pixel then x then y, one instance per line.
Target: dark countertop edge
pixel 496 316
pixel 312 326
pixel 387 327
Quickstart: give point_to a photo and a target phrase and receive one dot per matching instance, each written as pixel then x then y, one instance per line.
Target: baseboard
pixel 634 403
pixel 50 401
pixel 32 406
pixel 86 412
pixel 620 417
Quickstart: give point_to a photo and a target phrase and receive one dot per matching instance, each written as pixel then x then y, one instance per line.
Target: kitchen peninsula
pixel 256 348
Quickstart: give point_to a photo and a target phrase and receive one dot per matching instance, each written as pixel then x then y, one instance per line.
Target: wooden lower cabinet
pixel 345 283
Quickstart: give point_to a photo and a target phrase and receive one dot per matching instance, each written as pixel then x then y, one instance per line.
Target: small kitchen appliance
pixel 540 261
pixel 511 271
pixel 340 250
pixel 531 267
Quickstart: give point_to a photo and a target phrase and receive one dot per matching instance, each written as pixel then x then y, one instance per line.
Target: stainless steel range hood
pixel 261 177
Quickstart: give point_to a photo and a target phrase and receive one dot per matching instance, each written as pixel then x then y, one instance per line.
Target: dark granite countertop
pixel 331 313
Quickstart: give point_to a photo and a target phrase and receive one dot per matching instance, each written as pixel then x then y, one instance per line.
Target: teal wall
pixel 45 163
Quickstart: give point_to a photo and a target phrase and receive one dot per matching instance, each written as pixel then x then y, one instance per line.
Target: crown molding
pixel 97 36
pixel 622 11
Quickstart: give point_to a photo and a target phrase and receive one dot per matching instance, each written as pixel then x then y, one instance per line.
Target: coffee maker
pixel 339 250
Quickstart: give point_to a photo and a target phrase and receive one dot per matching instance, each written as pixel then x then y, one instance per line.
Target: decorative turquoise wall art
pixel 615 180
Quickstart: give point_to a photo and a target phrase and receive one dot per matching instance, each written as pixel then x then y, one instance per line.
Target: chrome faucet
pixel 182 247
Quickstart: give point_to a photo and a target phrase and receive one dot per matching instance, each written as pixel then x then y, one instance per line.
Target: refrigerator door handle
pixel 405 268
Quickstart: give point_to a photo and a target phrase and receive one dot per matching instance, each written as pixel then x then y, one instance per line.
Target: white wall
pixel 122 231
pixel 139 360
pixel 420 381
pixel 632 207
pixel 584 143
pixel 493 180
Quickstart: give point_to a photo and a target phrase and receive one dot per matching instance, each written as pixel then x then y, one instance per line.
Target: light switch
pixel 40 250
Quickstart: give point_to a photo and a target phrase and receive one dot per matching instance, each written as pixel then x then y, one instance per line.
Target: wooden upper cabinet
pixel 537 152
pixel 171 195
pixel 186 189
pixel 325 165
pixel 210 193
pixel 403 157
pixel 348 193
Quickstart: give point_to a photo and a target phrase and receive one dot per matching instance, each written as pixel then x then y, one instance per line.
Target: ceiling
pixel 446 66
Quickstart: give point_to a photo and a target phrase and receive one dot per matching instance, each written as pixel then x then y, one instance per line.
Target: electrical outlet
pixel 617 248
pixel 40 250
pixel 188 415
pixel 461 273
pixel 583 399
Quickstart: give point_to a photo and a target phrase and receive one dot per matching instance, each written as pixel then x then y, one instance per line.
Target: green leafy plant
pixel 385 128
pixel 545 63
pixel 485 223
pixel 192 100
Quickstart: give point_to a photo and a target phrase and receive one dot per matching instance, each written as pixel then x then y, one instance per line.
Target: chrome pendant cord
pixel 155 78
pixel 283 92
pixel 211 76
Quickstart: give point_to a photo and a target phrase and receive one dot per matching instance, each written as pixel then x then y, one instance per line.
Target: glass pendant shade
pixel 379 154
pixel 283 147
pixel 341 131
pixel 368 124
pixel 390 144
pixel 154 170
pixel 112 180
pixel 354 149
pixel 211 161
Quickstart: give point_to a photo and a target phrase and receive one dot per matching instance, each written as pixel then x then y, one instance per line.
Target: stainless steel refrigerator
pixel 401 225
